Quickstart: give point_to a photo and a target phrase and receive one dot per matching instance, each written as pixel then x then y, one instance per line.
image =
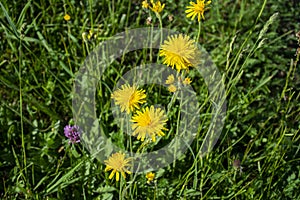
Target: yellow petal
pixel 112 174
pixel 117 176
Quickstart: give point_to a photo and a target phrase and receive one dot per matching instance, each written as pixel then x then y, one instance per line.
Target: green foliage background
pixel 41 52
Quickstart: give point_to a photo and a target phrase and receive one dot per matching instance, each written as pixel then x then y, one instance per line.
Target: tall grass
pixel 252 43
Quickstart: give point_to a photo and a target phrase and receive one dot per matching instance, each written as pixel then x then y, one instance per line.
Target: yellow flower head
pixel 129 98
pixel 179 51
pixel 186 81
pixel 156 6
pixel 145 4
pixel 117 163
pixel 170 79
pixel 148 123
pixel 67 17
pixel 150 177
pixel 197 9
pixel 172 88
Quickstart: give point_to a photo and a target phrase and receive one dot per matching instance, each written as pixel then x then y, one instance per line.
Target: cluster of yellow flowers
pixel 119 164
pixel 173 84
pixel 148 122
pixel 179 52
pixel 156 6
pixel 195 9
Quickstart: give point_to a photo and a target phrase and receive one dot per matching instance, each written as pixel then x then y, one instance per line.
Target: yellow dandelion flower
pixel 129 98
pixel 178 50
pixel 150 177
pixel 149 123
pixel 145 4
pixel 156 6
pixel 172 88
pixel 67 17
pixel 118 164
pixel 170 79
pixel 197 9
pixel 186 81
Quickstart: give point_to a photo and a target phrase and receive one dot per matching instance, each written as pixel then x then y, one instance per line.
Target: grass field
pixel 255 47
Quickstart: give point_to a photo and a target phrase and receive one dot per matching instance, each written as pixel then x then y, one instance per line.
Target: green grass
pixel 252 43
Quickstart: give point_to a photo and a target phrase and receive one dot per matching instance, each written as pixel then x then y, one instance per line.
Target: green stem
pixel 21 108
pixel 120 189
pixel 161 30
pixel 199 31
pixel 130 147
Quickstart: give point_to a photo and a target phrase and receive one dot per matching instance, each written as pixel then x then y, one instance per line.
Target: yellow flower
pixel 170 79
pixel 197 9
pixel 149 123
pixel 150 177
pixel 156 6
pixel 67 17
pixel 172 88
pixel 178 51
pixel 117 163
pixel 129 98
pixel 186 81
pixel 145 4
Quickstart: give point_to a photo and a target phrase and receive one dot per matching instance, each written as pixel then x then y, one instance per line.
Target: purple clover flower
pixel 73 133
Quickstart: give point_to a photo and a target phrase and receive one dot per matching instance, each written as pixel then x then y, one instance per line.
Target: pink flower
pixel 72 133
